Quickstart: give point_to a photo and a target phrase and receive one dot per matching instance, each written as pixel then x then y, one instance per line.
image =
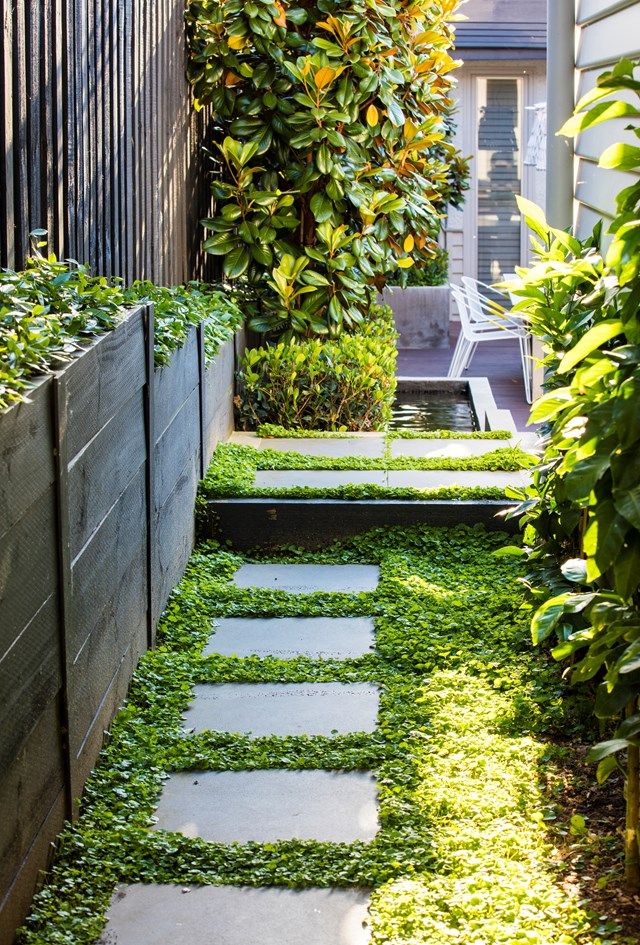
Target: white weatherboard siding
pixel 606 30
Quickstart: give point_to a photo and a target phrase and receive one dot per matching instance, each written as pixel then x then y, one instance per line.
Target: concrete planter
pixel 421 315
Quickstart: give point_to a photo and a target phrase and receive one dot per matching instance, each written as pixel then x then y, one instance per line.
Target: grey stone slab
pixel 368 444
pixel 318 478
pixel 433 479
pixel 449 448
pixel 284 708
pixel 236 915
pixel 275 804
pixel 288 637
pixel 308 578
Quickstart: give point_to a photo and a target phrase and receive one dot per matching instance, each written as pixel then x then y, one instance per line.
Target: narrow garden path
pixel 336 747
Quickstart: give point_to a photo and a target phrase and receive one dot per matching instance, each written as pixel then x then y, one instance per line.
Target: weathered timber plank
pixel 28 570
pixel 178 447
pixel 100 473
pixel 112 550
pixel 29 679
pixel 26 454
pixel 173 383
pixel 103 379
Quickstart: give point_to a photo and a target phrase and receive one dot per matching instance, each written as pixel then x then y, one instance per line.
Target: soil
pixel 586 821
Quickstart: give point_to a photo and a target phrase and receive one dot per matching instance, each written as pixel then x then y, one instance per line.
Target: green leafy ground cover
pixel 469 722
pixel 53 308
pixel 233 468
pixel 276 432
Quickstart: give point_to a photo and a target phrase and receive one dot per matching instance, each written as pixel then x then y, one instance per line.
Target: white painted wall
pixel 606 30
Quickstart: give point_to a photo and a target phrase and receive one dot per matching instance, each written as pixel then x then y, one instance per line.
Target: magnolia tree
pixel 337 164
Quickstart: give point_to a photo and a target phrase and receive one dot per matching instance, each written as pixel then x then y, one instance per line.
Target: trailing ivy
pixel 464 705
pixel 53 308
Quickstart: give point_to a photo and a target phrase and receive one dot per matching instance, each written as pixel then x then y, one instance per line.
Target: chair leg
pixel 458 353
pixel 527 368
pixel 469 356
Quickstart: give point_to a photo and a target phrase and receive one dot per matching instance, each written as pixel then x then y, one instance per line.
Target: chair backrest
pixel 477 312
pixel 462 303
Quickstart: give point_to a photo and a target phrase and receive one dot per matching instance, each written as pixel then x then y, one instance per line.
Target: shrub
pixel 346 383
pixel 433 271
pixel 336 156
pixel 54 307
pixel 582 513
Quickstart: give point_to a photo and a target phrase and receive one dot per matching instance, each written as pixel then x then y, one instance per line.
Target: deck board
pixel 497 360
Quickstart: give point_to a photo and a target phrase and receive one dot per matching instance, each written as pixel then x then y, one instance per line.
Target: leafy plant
pixel 434 271
pixel 582 513
pixel 346 383
pixel 49 311
pixel 335 148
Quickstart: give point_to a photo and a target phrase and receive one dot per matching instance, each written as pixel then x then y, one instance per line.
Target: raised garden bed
pixel 98 477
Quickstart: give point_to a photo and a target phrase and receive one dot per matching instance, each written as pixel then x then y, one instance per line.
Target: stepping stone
pixel 269 805
pixel 368 445
pixel 337 638
pixel 309 578
pixel 235 915
pixel 433 479
pixel 318 478
pixel 446 448
pixel 284 709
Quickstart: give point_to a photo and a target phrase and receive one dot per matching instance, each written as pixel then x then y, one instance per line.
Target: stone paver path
pixel 284 708
pixel 337 638
pixel 235 915
pixel 271 804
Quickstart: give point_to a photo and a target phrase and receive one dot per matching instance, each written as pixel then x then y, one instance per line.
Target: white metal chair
pixel 483 319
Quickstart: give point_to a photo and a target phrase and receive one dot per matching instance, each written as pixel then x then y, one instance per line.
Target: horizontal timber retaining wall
pixel 98 478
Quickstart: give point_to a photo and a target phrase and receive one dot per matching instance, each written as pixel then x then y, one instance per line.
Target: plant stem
pixel 631 848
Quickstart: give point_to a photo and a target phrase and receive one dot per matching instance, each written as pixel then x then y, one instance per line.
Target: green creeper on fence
pixel 582 513
pixel 335 151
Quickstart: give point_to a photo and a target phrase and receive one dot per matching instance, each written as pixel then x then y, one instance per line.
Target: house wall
pixel 99 143
pixel 606 30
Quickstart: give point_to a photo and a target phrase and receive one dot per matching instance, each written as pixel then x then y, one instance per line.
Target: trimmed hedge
pixel 343 383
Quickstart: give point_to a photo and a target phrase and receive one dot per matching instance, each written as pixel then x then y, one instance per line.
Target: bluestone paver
pixel 235 915
pixel 284 708
pixel 269 805
pixel 288 637
pixel 308 578
pixel 446 448
pixel 318 478
pixel 367 445
pixel 433 479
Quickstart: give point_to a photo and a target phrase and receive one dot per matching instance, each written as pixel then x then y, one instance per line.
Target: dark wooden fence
pixel 99 143
pixel 98 477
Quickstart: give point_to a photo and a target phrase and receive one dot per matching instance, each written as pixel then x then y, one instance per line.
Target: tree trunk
pixel 631 847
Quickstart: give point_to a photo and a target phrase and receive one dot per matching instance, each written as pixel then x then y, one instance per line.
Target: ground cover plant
pixel 582 511
pixel 274 431
pixel 233 467
pixel 53 308
pixel 336 155
pixel 469 734
pixel 343 383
